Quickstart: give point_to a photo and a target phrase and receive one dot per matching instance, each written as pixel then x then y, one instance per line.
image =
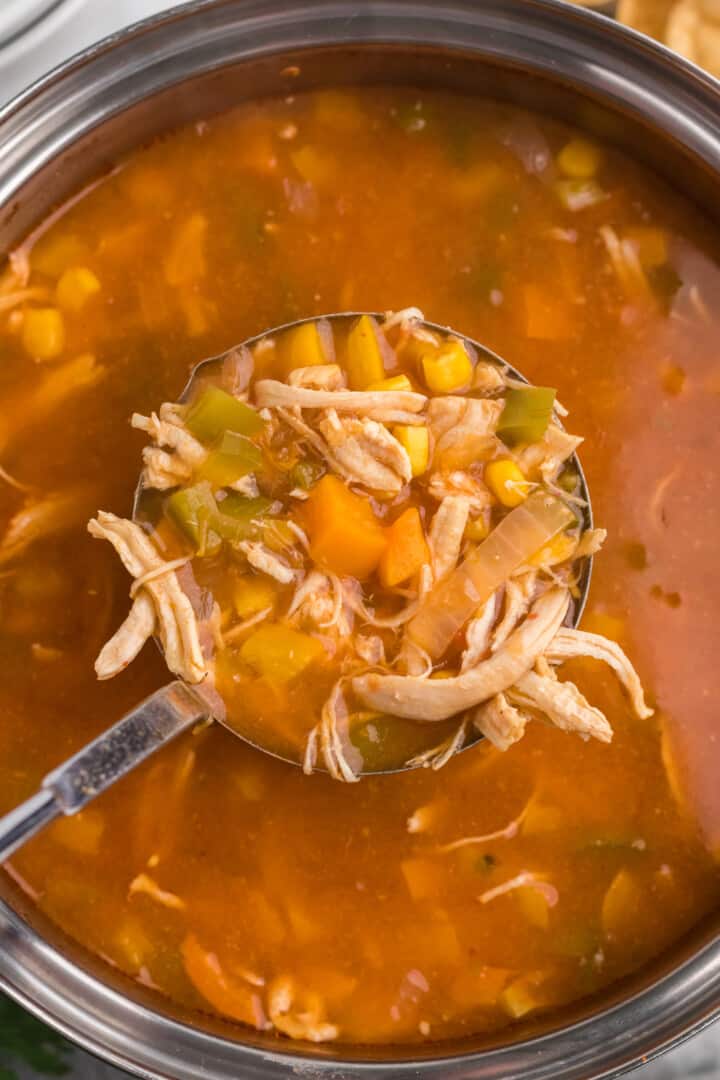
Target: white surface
pixel 69 26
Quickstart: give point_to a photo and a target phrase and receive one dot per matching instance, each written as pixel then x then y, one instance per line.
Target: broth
pixel 378 910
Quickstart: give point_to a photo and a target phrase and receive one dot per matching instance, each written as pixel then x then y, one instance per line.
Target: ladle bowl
pixel 179 707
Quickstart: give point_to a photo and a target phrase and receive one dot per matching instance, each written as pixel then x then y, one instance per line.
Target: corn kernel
pixel 579 159
pixel 43 333
pixel 75 287
pixel 507 482
pixel 477 529
pixel 397 382
pixel 447 368
pixel 417 444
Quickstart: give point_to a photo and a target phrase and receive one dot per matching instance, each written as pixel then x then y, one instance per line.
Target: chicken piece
pixel 460 484
pixel 569 643
pixel 412 660
pixel 370 648
pixel 562 703
pixel 143 883
pixel 446 533
pixel 488 378
pixel 266 561
pixel 462 430
pixel 319 600
pixel 272 394
pixel 326 739
pixel 175 618
pixel 549 454
pixel 477 634
pixel 518 596
pixel 318 377
pixel 429 700
pixel 247 486
pixel 500 722
pixel 590 543
pixel 128 639
pixel 176 453
pixel 364 452
pixel 299 1014
pixel 438 756
pixel 46 516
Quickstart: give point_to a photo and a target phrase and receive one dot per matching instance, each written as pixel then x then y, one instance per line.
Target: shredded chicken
pixel 488 378
pixel 175 618
pixel 46 515
pixel 319 600
pixel 429 700
pixel 562 703
pixel 461 484
pixel 477 634
pixel 272 394
pixel 568 643
pixel 549 454
pixel 176 453
pixel 143 883
pixel 128 639
pixel 370 648
pixel 364 452
pixel 318 377
pixel 446 533
pixel 518 597
pixel 523 880
pixel 298 1014
pixel 437 757
pixel 500 722
pixel 266 561
pixel 590 543
pixel 462 430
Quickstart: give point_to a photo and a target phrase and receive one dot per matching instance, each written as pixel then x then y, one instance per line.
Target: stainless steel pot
pixel 74 124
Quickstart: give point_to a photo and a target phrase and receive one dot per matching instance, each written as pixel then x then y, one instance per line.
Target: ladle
pixel 178 707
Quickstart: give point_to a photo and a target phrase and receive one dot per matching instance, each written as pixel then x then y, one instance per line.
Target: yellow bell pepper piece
pixel 345 536
pixel 364 362
pixel 43 333
pixel 252 594
pixel 447 368
pixel 507 482
pixel 416 442
pixel 397 382
pixel 279 653
pixel 579 159
pixel 75 287
pixel 302 347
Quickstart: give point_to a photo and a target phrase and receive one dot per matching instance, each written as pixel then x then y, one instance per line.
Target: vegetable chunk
pixel 406 550
pixel 345 536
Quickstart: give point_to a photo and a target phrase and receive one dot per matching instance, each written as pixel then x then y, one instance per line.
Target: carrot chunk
pixel 406 551
pixel 345 536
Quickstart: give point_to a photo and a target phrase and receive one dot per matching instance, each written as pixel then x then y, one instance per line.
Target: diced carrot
pixel 228 996
pixel 345 536
pixel 547 316
pixel 406 550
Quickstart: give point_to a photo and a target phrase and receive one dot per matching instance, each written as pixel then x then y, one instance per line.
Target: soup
pixel 429 904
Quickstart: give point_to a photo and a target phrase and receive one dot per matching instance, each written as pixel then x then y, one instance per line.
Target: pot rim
pixel 684 106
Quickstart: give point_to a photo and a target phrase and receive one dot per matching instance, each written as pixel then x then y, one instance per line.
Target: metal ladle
pixel 179 707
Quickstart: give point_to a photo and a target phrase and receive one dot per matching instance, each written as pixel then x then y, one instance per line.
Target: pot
pixel 73 125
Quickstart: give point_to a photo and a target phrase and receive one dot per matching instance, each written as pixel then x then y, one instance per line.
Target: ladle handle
pixel 65 790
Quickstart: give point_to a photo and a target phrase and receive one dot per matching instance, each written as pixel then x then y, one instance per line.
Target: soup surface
pixel 423 905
